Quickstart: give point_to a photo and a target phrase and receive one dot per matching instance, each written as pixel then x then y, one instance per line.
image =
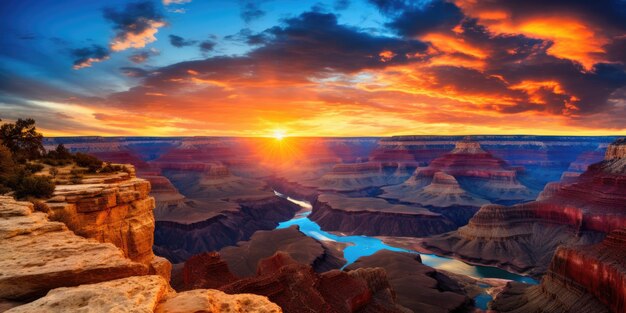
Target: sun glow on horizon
pixel 279 134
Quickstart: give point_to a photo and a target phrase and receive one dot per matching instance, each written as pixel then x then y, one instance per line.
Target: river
pixel 360 246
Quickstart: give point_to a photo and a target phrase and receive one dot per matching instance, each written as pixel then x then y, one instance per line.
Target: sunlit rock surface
pixel 215 301
pixel 39 254
pixel 131 294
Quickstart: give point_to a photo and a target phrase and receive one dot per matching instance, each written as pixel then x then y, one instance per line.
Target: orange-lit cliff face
pixel 470 67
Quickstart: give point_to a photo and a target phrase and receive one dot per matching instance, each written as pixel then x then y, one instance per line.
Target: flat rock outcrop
pixel 376 217
pixel 587 278
pixel 215 301
pixel 144 294
pixel 131 294
pixel 417 286
pixel 40 255
pixel 523 237
pixel 294 286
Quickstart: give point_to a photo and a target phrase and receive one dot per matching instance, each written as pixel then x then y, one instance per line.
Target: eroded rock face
pixel 524 237
pixel 117 212
pixel 294 286
pixel 588 278
pixel 376 217
pixel 39 255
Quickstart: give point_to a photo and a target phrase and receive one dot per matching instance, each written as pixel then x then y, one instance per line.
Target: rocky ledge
pixel 588 278
pixel 376 217
pixel 40 255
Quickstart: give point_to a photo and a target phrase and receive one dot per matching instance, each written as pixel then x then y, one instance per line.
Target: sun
pixel 279 134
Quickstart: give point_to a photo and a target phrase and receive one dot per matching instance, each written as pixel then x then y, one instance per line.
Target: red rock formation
pixel 524 237
pixel 477 171
pixel 588 278
pixel 295 286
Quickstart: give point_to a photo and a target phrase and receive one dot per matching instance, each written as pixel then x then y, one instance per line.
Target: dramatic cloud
pixel 135 25
pixel 393 67
pixel 84 57
pixel 179 42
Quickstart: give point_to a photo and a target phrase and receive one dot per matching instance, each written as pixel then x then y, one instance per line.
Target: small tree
pixel 22 139
pixel 53 172
pixel 92 163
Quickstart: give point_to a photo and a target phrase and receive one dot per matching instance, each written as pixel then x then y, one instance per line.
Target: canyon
pixel 223 215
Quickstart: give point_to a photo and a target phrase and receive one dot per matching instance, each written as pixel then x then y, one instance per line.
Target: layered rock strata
pixel 480 174
pixel 376 217
pixel 524 237
pixel 588 278
pixel 40 255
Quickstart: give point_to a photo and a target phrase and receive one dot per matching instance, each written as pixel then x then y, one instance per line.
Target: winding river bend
pixel 363 246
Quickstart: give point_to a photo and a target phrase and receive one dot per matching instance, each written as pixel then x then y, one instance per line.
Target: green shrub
pixel 92 163
pixel 33 186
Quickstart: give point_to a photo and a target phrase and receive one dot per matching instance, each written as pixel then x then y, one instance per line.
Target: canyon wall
pixel 581 278
pixel 524 237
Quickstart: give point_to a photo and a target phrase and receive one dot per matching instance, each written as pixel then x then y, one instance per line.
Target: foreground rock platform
pixel 39 255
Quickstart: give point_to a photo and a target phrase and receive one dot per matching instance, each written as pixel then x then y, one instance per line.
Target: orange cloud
pixel 136 40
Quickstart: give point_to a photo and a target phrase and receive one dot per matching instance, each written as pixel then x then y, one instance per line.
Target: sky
pixel 314 68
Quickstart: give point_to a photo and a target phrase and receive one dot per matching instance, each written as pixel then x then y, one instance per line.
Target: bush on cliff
pixel 20 142
pixel 92 163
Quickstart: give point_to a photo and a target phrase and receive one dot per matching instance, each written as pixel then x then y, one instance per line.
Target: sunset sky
pixel 314 68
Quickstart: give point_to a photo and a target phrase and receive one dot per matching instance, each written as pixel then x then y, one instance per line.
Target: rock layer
pixel 376 217
pixel 39 255
pixel 524 237
pixel 589 278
